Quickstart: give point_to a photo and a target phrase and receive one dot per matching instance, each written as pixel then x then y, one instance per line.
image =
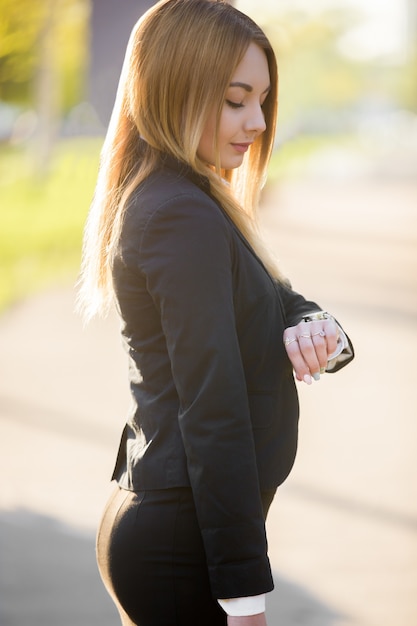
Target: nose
pixel 255 122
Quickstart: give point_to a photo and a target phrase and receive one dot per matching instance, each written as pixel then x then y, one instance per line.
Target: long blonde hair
pixel 179 62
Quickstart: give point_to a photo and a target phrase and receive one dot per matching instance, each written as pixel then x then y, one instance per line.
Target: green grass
pixel 41 221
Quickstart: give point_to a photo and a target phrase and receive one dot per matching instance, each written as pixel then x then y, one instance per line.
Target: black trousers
pixel 151 558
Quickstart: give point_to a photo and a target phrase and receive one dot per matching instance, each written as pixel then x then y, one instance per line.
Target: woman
pixel 212 329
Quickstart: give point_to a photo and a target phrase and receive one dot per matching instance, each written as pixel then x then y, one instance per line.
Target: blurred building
pixel 110 27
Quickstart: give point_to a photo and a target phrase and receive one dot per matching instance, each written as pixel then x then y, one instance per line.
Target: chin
pixel 232 164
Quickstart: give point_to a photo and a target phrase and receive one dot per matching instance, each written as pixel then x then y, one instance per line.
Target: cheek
pixel 227 125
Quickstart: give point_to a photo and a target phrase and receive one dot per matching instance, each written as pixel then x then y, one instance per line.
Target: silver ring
pixel 289 340
pixel 320 332
pixel 304 336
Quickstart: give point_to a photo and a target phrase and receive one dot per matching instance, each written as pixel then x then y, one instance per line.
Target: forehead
pixel 253 68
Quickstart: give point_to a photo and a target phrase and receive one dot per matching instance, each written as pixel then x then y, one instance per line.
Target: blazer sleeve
pixel 186 256
pixel 295 305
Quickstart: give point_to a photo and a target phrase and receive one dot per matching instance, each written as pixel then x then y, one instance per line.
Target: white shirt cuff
pixel 240 607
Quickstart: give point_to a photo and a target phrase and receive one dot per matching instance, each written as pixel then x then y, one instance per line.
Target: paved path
pixel 343 530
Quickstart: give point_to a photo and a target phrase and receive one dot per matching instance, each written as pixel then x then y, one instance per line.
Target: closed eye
pixel 234 105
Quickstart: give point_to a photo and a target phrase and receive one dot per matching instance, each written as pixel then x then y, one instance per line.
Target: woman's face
pixel 242 119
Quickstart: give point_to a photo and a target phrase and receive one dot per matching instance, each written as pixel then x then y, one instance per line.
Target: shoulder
pixel 165 192
pixel 169 212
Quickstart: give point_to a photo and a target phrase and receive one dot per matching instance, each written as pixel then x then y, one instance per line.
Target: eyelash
pixel 238 105
pixel 234 105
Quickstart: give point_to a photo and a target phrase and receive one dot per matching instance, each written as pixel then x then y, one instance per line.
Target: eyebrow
pixel 247 87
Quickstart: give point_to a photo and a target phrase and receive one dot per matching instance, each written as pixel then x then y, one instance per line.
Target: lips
pixel 241 147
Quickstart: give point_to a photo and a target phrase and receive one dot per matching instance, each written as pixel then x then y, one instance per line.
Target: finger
pixel 319 340
pixel 308 352
pixel 332 333
pixel 292 347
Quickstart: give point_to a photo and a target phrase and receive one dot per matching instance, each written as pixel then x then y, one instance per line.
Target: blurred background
pixel 348 105
pixel 339 210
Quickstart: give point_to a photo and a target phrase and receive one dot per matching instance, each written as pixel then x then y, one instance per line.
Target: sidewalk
pixel 343 529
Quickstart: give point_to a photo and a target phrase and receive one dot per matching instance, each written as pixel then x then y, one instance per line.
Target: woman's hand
pixel 308 345
pixel 250 620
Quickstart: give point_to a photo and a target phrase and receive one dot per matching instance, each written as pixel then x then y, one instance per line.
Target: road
pixel 343 528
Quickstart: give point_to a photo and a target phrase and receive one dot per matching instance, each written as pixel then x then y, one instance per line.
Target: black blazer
pixel 214 400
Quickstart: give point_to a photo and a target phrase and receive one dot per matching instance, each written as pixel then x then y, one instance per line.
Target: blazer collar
pixel 180 167
pixel 186 170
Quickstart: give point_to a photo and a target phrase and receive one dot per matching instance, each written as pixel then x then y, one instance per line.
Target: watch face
pixel 320 315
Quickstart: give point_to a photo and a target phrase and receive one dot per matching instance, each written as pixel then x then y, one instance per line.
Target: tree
pixel 26 28
pixel 43 62
pixel 20 24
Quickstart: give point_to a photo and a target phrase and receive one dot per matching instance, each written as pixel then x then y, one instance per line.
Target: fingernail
pixel 307 379
pixel 322 370
pixel 316 376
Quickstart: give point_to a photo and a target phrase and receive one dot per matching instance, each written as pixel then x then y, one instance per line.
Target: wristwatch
pixel 314 317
